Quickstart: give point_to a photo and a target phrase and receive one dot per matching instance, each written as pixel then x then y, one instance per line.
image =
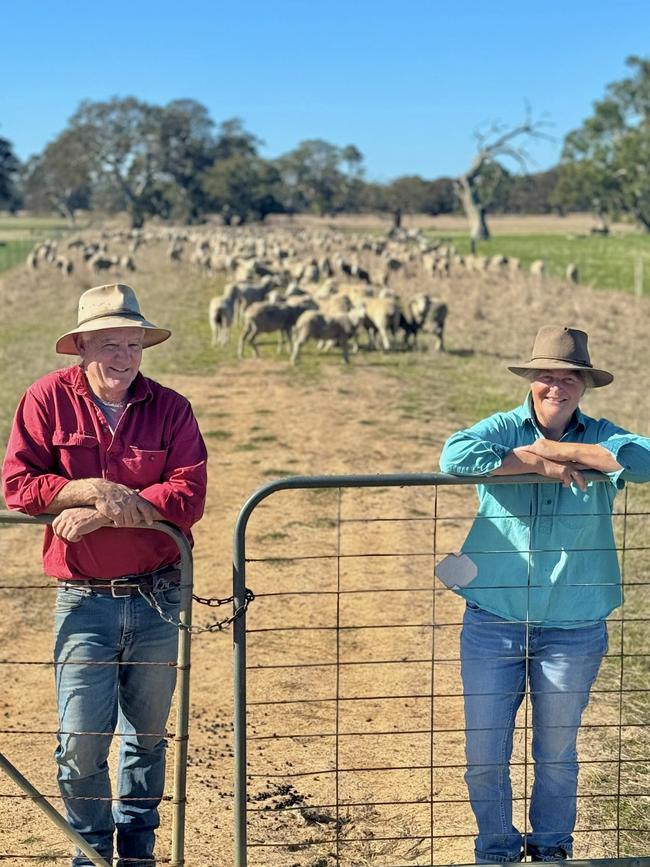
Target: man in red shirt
pixel 107 450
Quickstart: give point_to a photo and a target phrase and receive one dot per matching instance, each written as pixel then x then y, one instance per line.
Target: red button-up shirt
pixel 59 434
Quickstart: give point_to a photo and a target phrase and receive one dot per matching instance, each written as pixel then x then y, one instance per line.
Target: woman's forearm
pixel 589 455
pixel 520 460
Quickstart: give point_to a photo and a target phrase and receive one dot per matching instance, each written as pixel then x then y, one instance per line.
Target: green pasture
pixel 604 262
pixel 13 253
pixel 19 234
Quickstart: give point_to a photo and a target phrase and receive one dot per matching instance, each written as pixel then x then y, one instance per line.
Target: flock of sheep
pixel 92 254
pixel 323 285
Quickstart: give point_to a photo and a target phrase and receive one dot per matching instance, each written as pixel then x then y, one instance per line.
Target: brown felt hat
pixel 560 348
pixel 112 306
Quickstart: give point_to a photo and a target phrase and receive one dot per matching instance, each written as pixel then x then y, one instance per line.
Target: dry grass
pixel 384 414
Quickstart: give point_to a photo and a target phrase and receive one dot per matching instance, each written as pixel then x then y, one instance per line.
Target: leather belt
pixel 128 585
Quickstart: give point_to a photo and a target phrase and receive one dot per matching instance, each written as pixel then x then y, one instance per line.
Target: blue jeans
pixel 95 699
pixel 498 657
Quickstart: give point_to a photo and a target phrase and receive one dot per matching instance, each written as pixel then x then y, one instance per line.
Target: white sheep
pixel 221 314
pixel 537 268
pixel 315 325
pixel 264 318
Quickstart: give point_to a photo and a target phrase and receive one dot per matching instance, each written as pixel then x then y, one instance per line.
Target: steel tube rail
pixel 400 480
pixel 179 797
pixel 39 800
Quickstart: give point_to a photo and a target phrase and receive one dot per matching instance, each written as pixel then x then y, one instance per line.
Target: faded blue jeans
pixel 95 699
pixel 498 657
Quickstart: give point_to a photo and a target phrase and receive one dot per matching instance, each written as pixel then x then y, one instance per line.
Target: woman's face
pixel 556 395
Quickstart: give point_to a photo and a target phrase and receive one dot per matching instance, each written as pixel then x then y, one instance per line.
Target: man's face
pixel 111 358
pixel 556 395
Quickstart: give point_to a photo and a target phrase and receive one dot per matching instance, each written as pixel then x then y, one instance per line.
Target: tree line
pixel 175 163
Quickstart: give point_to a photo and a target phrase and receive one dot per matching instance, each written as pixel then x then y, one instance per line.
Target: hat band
pixel 556 358
pixel 124 313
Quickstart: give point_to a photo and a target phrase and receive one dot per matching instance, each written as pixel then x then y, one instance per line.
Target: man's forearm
pixel 78 492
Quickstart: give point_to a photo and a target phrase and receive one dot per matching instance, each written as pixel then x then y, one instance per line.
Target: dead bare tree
pixel 476 188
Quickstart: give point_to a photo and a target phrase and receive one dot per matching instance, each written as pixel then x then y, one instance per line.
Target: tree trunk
pixel 137 218
pixel 397 218
pixel 474 211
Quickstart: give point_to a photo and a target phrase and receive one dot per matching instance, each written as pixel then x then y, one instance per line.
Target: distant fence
pixel 178 797
pixel 349 727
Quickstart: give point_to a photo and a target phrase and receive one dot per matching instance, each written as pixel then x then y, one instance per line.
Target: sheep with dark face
pixel 65 265
pixel 413 317
pixel 436 323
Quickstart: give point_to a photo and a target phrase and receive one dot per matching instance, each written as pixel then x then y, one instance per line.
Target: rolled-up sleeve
pixel 29 484
pixel 180 495
pixel 630 450
pixel 478 450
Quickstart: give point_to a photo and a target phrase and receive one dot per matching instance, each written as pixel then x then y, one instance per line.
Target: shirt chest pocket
pixel 142 467
pixel 78 454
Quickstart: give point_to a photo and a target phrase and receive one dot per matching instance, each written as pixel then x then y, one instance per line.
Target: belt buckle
pixel 125 584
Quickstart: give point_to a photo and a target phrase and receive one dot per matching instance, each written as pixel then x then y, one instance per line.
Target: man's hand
pixel 72 524
pixel 123 506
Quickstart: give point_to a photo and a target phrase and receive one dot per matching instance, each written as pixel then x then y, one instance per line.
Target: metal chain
pixel 212 602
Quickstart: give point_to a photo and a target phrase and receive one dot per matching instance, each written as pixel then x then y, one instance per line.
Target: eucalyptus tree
pixel 122 141
pixel 60 178
pixel 605 161
pixel 321 177
pixel 9 176
pixel 188 147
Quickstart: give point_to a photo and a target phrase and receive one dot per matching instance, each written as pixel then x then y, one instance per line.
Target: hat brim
pixel 599 378
pixel 153 335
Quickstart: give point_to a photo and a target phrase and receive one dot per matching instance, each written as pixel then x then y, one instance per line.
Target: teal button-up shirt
pixel 544 553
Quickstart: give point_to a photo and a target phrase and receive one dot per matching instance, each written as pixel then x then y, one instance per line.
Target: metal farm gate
pixel 349 726
pixel 178 796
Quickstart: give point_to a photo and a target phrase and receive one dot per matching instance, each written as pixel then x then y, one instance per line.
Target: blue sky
pixel 406 82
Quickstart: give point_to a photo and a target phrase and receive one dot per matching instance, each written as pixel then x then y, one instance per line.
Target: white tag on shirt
pixel 456 570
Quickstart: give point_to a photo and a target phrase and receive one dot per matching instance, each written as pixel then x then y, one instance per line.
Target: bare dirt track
pixel 262 422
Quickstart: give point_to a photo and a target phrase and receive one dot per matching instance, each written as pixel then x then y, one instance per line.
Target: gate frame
pixel 181 736
pixel 401 480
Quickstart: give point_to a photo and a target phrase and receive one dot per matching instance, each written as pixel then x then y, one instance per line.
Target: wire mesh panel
pixel 350 718
pixel 27 736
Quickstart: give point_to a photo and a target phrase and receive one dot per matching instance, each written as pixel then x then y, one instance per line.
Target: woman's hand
pixel 567 473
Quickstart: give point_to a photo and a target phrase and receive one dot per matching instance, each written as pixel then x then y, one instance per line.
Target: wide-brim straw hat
pixel 112 306
pixel 560 348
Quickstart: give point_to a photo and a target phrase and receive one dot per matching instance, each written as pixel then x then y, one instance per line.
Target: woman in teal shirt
pixel 547 576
